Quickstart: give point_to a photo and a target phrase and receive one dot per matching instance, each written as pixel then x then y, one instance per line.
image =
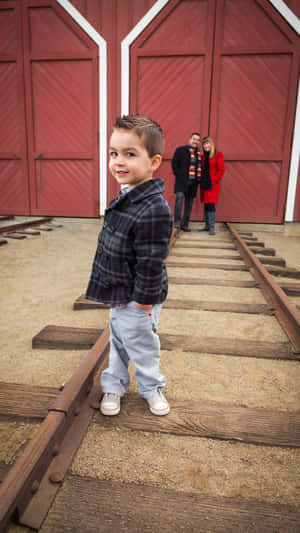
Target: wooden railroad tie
pixel 195 418
pixel 265 260
pixel 272 269
pixel 231 307
pixel 69 338
pixel 139 507
pixel 210 420
pixel 14 236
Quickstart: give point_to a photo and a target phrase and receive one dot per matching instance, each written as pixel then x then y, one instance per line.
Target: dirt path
pixel 41 278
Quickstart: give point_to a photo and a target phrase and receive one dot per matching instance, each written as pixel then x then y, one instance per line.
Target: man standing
pixel 186 165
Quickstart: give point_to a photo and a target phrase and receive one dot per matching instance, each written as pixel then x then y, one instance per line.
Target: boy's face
pixel 129 162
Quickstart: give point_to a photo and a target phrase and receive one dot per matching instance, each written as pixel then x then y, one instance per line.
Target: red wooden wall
pixel 228 67
pixel 49 100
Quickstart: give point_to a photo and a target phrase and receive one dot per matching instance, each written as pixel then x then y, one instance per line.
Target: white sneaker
pixel 158 404
pixel 110 404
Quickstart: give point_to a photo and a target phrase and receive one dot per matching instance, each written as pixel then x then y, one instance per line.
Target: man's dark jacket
pixel 132 245
pixel 180 166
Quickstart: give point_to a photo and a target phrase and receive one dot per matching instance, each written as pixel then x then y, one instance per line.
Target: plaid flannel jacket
pixel 132 245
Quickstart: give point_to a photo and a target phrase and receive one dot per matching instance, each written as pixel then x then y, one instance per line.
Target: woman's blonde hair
pixel 212 146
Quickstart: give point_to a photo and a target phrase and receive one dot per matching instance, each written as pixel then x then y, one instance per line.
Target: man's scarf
pixel 192 169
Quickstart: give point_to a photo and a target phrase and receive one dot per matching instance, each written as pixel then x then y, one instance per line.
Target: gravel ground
pixel 42 276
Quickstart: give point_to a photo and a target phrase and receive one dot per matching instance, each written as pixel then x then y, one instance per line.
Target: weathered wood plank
pixel 24 224
pixel 62 337
pixel 6 217
pixel 230 307
pixel 55 224
pixel 25 401
pixel 14 236
pixel 194 244
pixel 284 272
pixel 140 508
pixel 217 266
pixel 28 232
pixel 224 346
pixel 45 228
pixel 263 251
pixel 291 289
pixel 83 303
pixel 215 282
pixel 176 253
pixel 265 260
pixel 66 338
pixel 256 243
pixel 272 269
pixel 210 420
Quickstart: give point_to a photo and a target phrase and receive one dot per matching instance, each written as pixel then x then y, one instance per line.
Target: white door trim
pixel 102 53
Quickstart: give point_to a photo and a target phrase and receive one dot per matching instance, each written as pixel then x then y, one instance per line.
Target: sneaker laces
pixel 111 396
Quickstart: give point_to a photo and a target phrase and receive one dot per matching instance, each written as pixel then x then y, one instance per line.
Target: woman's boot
pixel 211 222
pixel 206 227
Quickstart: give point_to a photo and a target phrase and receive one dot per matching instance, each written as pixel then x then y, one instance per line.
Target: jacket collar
pixel 138 193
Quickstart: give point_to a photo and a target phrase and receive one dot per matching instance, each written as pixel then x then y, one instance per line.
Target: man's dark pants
pixel 188 197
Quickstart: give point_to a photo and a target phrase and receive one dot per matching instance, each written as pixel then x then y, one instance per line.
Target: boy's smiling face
pixel 129 161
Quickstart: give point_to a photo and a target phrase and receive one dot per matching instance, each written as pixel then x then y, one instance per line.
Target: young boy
pixel 128 270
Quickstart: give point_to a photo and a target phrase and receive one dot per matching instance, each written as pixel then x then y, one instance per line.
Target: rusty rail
pixel 24 478
pixel 285 310
pixel 25 224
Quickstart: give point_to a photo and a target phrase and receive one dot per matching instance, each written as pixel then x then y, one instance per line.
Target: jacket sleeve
pixel 220 167
pixel 153 230
pixel 176 161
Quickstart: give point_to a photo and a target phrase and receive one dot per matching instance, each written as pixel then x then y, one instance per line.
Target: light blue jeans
pixel 133 338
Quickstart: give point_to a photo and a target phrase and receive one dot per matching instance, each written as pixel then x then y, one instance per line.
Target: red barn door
pixel 14 186
pixel 253 103
pixel 170 76
pixel 61 81
pixel 228 68
pixel 52 104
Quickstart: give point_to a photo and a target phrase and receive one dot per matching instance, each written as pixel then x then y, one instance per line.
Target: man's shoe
pixel 110 404
pixel 158 404
pixel 185 229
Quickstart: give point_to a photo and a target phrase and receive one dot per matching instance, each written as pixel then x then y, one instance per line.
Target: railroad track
pixel 19 229
pixel 229 308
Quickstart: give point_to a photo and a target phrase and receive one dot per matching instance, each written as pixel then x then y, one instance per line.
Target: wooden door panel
pixel 249 191
pixel 61 185
pixel 177 98
pixel 170 77
pixel 252 102
pixel 14 191
pixel 61 66
pixel 254 89
pixel 62 113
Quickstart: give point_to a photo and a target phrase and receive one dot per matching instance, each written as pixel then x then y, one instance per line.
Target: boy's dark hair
pixel 145 128
pixel 195 133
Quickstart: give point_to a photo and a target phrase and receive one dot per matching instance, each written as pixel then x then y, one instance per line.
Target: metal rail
pixel 24 478
pixel 27 476
pixel 16 226
pixel 286 311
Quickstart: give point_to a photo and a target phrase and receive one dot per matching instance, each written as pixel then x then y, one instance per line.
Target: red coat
pixel 216 171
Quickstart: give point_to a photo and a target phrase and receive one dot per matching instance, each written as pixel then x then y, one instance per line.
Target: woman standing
pixel 212 173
